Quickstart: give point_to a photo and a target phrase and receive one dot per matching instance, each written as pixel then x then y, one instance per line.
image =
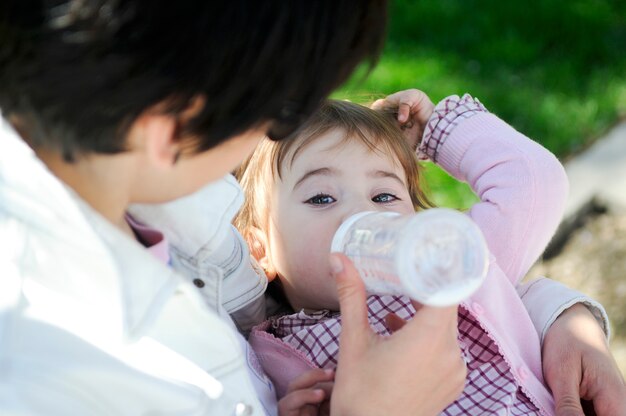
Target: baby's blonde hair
pixel 377 130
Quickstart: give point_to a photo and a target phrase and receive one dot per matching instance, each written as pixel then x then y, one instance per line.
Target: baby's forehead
pixel 331 143
pixel 327 141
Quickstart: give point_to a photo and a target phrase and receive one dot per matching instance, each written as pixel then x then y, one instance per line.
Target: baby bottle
pixel 437 257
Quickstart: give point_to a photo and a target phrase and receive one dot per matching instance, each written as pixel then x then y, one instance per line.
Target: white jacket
pixel 92 324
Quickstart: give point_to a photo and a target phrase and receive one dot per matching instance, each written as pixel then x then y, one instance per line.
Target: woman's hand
pixel 416 371
pixel 308 394
pixel 577 363
pixel 414 109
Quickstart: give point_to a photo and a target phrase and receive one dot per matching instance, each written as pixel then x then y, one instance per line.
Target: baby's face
pixel 328 181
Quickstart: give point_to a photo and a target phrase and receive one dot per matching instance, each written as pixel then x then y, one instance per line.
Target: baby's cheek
pixel 311 261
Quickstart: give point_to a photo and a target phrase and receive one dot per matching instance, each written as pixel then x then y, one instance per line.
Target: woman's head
pixel 77 74
pixel 346 159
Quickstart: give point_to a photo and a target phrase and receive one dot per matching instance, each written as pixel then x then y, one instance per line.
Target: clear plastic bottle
pixel 438 256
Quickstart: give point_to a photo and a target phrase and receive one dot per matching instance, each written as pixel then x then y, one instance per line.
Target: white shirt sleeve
pixel 545 299
pixel 201 237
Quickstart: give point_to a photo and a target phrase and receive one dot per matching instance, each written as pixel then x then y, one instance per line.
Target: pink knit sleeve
pixel 522 187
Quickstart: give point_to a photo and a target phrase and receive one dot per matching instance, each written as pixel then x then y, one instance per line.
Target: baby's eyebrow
pixel 385 174
pixel 315 172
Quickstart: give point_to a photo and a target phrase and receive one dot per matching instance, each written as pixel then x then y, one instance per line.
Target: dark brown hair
pixel 78 73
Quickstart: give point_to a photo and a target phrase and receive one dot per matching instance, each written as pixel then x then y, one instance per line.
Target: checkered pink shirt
pixel 490 388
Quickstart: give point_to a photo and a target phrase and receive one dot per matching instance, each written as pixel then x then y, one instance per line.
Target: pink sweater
pixel 522 189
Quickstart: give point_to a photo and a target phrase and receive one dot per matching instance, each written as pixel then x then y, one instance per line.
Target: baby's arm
pixel 522 187
pixel 577 361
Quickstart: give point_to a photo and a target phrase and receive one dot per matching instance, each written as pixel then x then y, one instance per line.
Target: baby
pixel 349 158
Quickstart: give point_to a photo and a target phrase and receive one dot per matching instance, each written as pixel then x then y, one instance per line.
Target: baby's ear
pixel 257 240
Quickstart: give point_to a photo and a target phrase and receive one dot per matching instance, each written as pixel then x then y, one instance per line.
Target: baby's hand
pixel 308 394
pixel 414 110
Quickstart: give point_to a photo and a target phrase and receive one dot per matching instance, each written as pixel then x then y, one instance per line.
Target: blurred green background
pixel 554 69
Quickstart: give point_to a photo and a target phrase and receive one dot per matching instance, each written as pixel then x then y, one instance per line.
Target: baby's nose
pixel 362 207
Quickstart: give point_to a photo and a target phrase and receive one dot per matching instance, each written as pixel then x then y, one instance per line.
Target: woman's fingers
pixel 352 301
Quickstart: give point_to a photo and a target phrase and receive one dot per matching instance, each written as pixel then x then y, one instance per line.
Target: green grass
pixel 554 70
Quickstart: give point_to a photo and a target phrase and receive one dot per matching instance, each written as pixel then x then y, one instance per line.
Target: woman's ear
pixel 257 240
pixel 155 134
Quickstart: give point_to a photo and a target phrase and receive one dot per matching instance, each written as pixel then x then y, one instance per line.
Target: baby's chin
pixel 311 311
pixel 302 295
pixel 331 305
pixel 308 305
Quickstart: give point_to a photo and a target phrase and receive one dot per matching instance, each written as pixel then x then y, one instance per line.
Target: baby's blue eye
pixel 320 199
pixel 385 198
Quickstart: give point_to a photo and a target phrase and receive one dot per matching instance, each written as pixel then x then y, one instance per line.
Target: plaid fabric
pixel 448 113
pixel 490 388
